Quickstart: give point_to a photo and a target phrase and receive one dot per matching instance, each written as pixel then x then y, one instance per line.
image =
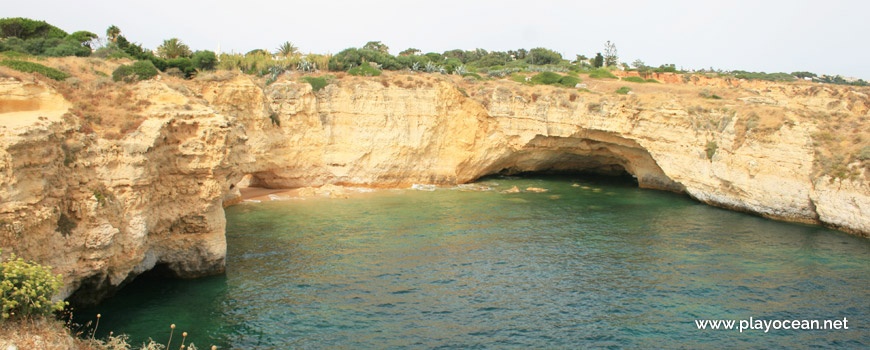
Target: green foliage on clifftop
pixel 26 289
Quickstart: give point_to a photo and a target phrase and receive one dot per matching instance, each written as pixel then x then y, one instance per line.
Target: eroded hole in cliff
pixel 598 154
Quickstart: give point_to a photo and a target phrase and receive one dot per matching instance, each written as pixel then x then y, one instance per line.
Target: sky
pixel 824 37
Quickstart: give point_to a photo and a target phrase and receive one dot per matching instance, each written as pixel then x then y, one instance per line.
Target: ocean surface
pixel 592 263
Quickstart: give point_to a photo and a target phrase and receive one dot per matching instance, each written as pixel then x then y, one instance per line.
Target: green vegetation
pixel 317 83
pixel 623 90
pixel 26 289
pixel 540 56
pixel 38 38
pixel 602 73
pixel 710 149
pixel 653 81
pixel 140 70
pixel 364 70
pixel 705 93
pixel 550 78
pixel 24 29
pixel 287 49
pixel 569 81
pixel 31 67
pixel 762 76
pixel 173 48
pixel 634 79
pixel 547 78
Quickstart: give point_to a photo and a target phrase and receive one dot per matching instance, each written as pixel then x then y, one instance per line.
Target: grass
pixel 317 83
pixel 602 73
pixel 634 79
pixel 653 81
pixel 623 90
pixel 519 78
pixel 30 67
pixel 364 70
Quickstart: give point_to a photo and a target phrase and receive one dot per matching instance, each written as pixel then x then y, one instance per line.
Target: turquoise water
pixel 602 265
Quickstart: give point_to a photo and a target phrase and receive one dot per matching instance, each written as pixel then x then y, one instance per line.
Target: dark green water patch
pixel 591 263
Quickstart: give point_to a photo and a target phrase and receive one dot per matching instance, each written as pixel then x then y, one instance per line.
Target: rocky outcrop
pixel 102 211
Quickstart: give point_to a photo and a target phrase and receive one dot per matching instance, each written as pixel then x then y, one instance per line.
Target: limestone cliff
pixel 103 210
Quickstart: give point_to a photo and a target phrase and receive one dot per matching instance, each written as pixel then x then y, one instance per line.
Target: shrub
pixel 540 55
pixel 184 64
pixel 864 154
pixel 710 149
pixel 317 83
pixel 30 67
pixel 353 57
pixel 474 75
pixel 623 90
pixel 518 78
pixel 364 70
pixel 634 79
pixel 204 60
pixel 602 73
pixel 546 78
pixel 653 81
pixel 569 81
pixel 140 70
pixel 26 289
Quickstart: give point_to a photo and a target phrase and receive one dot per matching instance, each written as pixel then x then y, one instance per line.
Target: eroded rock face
pixel 102 211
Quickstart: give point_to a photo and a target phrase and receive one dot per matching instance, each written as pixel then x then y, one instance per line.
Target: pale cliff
pixel 103 210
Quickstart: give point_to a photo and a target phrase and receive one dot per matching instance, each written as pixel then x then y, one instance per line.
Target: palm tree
pixel 287 49
pixel 173 48
pixel 112 33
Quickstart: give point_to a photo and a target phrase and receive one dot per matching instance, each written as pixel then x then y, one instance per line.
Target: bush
pixel 602 73
pixel 140 70
pixel 540 55
pixel 546 78
pixel 352 57
pixel 653 81
pixel 474 75
pixel 26 289
pixel 364 70
pixel 710 149
pixel 634 79
pixel 569 81
pixel 204 60
pixel 184 64
pixel 623 90
pixel 317 83
pixel 30 67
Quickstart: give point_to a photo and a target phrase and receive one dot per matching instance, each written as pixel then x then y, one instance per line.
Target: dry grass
pixel 40 333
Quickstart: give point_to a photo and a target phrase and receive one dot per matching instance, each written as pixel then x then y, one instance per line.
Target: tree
pixel 173 48
pixel 409 52
pixel 521 54
pixel 581 58
pixel 25 28
pixel 598 61
pixel 638 64
pixel 803 75
pixel 112 33
pixel 610 57
pixel 287 49
pixel 540 55
pixel 376 46
pixel 204 60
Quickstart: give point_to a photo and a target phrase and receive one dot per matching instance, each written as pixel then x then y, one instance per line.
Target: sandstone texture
pixel 101 211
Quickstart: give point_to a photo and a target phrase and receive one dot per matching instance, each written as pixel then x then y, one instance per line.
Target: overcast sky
pixel 825 37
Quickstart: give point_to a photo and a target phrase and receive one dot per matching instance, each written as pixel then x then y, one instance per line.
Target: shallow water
pixel 602 264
